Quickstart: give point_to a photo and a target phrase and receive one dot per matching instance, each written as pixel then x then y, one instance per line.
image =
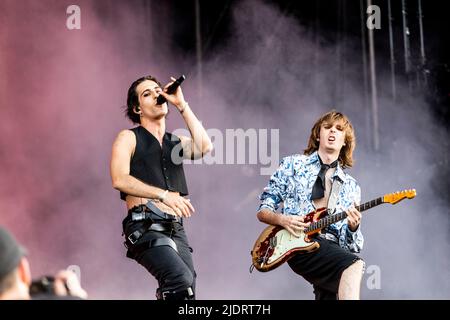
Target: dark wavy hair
pixel 133 99
pixel 346 153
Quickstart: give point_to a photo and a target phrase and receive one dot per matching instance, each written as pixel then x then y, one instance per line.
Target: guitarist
pixel 303 183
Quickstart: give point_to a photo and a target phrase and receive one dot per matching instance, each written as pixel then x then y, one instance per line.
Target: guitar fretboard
pixel 328 220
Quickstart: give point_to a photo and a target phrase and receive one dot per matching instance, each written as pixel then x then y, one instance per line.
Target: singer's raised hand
pixel 177 98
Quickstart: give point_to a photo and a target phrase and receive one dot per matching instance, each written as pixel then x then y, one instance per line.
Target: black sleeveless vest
pixel 157 166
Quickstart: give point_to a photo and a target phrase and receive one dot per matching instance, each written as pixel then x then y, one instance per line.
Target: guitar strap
pixel 334 194
pixel 331 207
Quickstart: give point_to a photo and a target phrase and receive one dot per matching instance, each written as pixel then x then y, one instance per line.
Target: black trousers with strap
pixel 173 270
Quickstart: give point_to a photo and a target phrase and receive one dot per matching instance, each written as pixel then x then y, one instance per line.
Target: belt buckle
pixel 137 216
pixel 132 238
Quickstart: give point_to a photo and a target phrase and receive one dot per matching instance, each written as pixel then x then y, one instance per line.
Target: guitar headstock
pixel 398 196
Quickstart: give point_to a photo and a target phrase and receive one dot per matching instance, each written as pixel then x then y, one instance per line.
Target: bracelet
pixel 184 107
pixel 163 196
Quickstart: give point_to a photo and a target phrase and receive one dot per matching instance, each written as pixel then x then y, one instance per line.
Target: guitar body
pixel 276 245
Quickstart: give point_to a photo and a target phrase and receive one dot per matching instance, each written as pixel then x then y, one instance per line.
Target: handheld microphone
pixel 171 89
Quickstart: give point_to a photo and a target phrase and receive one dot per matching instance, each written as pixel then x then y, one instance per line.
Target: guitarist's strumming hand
pixel 293 224
pixel 353 218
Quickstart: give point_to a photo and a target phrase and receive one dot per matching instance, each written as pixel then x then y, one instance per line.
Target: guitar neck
pixel 328 220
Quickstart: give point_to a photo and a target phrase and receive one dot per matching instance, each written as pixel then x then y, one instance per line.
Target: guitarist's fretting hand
pixel 293 224
pixel 353 218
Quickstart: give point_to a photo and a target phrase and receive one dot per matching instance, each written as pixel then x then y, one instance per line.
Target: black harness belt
pixel 135 248
pixel 150 212
pixel 137 234
pixel 156 220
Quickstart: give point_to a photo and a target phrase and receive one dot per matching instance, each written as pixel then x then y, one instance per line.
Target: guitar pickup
pixel 273 242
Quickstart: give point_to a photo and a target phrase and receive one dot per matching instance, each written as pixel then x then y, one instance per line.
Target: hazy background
pixel 61 93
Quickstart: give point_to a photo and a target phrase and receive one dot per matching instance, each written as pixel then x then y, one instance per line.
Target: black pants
pixel 173 270
pixel 323 268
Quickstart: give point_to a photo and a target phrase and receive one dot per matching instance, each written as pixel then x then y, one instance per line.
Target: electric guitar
pixel 276 245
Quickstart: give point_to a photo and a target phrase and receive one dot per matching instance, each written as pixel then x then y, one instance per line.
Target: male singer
pixel 147 169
